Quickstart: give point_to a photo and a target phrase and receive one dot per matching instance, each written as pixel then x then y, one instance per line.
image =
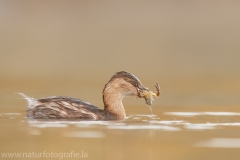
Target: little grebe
pixel 121 84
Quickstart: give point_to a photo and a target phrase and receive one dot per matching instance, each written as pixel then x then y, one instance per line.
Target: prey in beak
pixel 149 95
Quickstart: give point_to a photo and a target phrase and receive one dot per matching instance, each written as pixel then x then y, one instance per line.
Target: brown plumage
pixel 120 85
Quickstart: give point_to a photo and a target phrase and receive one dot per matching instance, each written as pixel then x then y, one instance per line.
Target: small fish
pixel 149 95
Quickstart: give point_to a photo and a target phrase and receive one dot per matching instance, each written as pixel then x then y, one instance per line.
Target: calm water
pixel 171 133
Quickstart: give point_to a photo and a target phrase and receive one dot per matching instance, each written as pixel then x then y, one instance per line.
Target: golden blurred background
pixel 73 47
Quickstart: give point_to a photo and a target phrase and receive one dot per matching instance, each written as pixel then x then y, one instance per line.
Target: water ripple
pixel 220 143
pixel 203 113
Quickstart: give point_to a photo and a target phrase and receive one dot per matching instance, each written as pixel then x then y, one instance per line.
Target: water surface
pixel 164 135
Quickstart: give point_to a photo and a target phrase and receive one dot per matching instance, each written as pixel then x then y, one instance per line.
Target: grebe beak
pixel 142 88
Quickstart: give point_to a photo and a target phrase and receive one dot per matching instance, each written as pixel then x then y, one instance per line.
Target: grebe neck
pixel 112 99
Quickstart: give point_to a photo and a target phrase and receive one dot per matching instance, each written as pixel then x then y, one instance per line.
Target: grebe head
pixel 126 83
pixel 121 84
